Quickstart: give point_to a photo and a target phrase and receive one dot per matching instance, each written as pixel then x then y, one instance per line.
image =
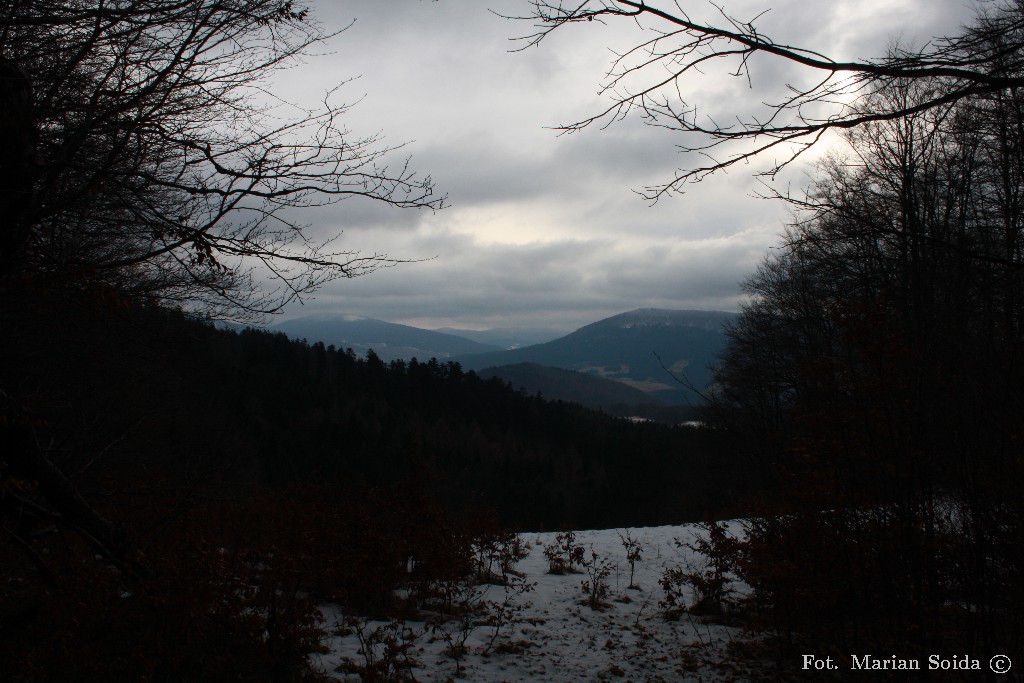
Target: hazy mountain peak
pixel 633 348
pixel 389 341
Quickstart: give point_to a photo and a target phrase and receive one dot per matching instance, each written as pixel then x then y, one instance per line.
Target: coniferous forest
pixel 253 408
pixel 182 442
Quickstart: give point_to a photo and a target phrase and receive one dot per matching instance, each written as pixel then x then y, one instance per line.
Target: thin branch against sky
pixel 548 229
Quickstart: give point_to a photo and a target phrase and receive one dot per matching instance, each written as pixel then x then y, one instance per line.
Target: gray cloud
pixel 546 230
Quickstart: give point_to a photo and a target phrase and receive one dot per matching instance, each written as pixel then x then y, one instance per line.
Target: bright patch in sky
pixel 545 228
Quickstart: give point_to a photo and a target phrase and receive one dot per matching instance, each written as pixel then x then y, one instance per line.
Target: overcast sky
pixel 545 230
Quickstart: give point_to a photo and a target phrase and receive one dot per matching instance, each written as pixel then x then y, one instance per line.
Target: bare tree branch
pixel 986 58
pixel 158 162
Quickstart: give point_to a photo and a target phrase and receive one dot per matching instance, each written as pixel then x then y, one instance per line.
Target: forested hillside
pixel 171 432
pixel 665 353
pixel 260 409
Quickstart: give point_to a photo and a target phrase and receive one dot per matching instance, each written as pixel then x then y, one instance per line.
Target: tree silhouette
pixel 144 161
pixel 879 361
pixel 650 79
pixel 164 167
pixel 17 163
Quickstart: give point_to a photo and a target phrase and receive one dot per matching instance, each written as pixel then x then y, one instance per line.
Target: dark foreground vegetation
pixel 237 478
pixel 880 368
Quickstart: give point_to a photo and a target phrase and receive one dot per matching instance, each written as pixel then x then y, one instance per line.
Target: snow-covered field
pixel 556 636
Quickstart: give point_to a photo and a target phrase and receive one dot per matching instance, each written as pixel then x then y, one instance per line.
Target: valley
pixel 653 357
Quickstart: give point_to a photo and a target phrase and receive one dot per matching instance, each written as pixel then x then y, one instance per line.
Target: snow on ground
pixel 558 638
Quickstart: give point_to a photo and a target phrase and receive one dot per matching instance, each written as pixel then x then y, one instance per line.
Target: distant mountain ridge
pixel 390 341
pixel 630 348
pixel 643 348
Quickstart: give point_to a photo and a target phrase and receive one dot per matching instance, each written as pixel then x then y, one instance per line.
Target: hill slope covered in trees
pixel 649 349
pixel 185 439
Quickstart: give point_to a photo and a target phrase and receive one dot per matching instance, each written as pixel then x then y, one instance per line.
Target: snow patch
pixel 559 638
